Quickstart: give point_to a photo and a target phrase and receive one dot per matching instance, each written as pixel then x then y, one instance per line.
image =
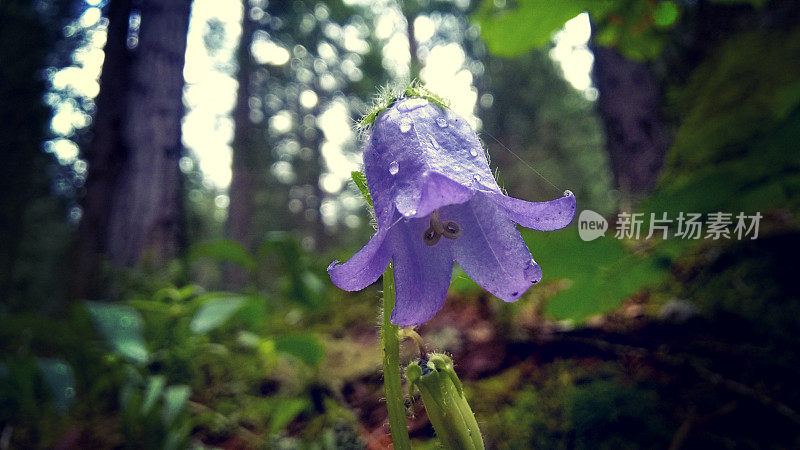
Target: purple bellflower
pixel 436 202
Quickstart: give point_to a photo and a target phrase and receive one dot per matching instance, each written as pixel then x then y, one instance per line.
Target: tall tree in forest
pixel 26 37
pixel 628 41
pixel 627 34
pixel 641 47
pixel 293 65
pixel 133 205
pixel 630 103
pixel 248 140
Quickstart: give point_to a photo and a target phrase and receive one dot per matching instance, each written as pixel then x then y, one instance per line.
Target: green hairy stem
pixel 390 347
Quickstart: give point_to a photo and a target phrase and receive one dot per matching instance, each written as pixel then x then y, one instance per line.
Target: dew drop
pixel 442 122
pixel 532 272
pixel 473 152
pixel 476 178
pixel 434 142
pixel 405 124
pixel 394 167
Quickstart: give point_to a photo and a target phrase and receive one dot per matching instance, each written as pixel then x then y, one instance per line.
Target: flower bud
pixel 443 396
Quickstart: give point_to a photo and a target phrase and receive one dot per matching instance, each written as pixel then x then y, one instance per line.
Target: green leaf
pixel 215 313
pixel 285 411
pixel 153 392
pixel 361 182
pixel 665 14
pixel 225 250
pixel 121 326
pixel 175 398
pixel 511 32
pixel 597 275
pixel 60 380
pixel 312 290
pixel 305 347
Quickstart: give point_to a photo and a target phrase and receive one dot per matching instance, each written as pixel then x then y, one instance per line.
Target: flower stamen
pixel 436 222
pixel 431 236
pixel 449 229
pixel 452 230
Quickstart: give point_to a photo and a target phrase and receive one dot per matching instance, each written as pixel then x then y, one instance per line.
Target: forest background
pixel 176 179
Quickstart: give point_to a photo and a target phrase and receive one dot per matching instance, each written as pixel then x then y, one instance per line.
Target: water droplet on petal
pixel 476 178
pixel 411 104
pixel 532 272
pixel 434 142
pixel 394 167
pixel 568 193
pixel 405 124
pixel 442 122
pixel 473 152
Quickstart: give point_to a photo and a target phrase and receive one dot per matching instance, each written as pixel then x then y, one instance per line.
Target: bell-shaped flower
pixel 436 203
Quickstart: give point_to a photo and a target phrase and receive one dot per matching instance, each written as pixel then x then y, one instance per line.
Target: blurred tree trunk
pixel 133 206
pixel 414 66
pixel 630 98
pixel 629 105
pixel 24 43
pixel 246 168
pixel 104 154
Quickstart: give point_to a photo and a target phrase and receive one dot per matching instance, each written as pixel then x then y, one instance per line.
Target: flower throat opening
pixel 449 229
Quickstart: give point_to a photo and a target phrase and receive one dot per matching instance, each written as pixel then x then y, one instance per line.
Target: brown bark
pixel 104 155
pixel 146 217
pixel 414 66
pixel 629 104
pixel 133 207
pixel 246 168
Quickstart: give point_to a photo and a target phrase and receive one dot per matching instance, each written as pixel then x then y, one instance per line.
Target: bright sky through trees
pixel 210 93
pixel 210 90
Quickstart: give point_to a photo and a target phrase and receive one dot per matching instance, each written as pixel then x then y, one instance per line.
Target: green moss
pixel 569 405
pixel 754 280
pixel 747 88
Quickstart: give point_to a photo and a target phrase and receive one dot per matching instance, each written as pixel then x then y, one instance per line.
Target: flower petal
pixel 410 141
pixel 363 268
pixel 542 216
pixel 437 191
pixel 491 250
pixel 422 273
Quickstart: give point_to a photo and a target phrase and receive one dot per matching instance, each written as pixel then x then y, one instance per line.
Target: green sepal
pixel 386 98
pixel 361 182
pixel 445 365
